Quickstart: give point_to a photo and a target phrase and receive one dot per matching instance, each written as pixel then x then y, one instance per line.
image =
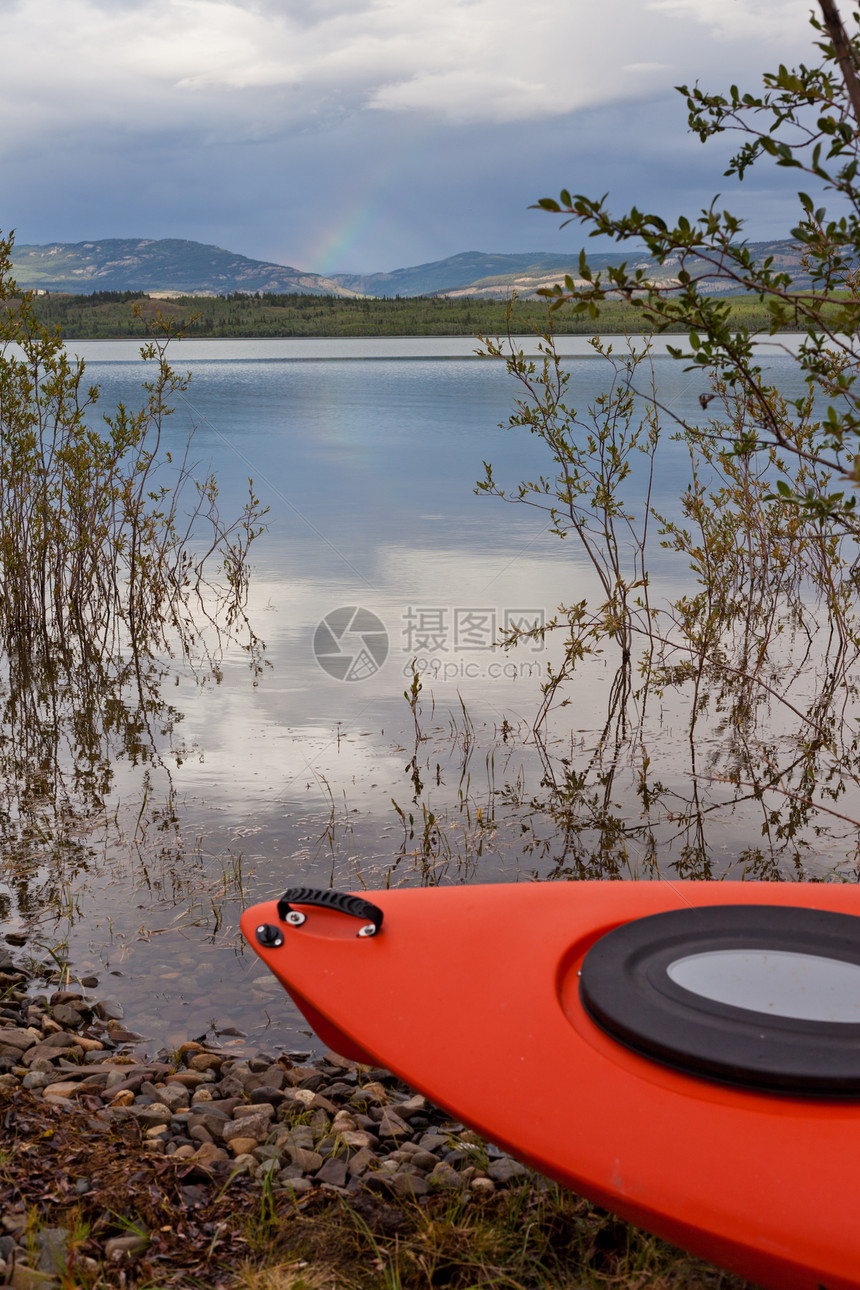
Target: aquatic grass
pixel 115 566
pixel 98 525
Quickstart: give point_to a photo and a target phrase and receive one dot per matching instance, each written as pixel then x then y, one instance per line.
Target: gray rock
pixel 378 1182
pixel 267 1094
pixel 406 1183
pixel 256 1099
pixel 266 1152
pixel 310 1161
pixel 423 1160
pixel 243 1164
pixel 459 1157
pixel 413 1106
pixel 334 1171
pixel 67 996
pixel 26 1278
pixel 358 1163
pixel 247 1109
pixel 17 1037
pixel 391 1125
pixel 313 1080
pixel 274 1077
pixel 369 1095
pixel 53 1245
pixel 59 1039
pixel 340 1088
pixel 300 1135
pixel 212 1121
pixel 50 1051
pixel 151 1116
pixel 505 1170
pixel 110 1010
pixel 176 1096
pixel 131 1247
pixel 232 1086
pixel 433 1141
pixel 66 1015
pixel 38 1079
pixel 95 1082
pixel 444 1177
pixel 248 1126
pixel 116 1078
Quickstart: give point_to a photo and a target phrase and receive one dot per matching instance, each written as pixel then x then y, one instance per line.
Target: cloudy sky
pixel 359 135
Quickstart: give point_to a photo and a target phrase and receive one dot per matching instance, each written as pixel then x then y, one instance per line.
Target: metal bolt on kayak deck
pixel 268 934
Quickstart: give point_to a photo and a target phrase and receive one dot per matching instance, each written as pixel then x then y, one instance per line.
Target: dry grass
pixel 292 1275
pixel 210 1232
pixel 523 1239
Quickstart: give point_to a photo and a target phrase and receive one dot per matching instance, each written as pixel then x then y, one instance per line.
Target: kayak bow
pixel 696 1046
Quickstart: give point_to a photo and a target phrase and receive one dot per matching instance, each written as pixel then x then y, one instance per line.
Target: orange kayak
pixel 684 1054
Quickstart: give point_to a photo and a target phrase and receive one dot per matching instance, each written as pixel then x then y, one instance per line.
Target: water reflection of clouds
pixel 285 727
pixel 370 468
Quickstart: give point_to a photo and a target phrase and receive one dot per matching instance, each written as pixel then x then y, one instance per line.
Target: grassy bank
pixel 203 1168
pixel 111 315
pixel 108 1211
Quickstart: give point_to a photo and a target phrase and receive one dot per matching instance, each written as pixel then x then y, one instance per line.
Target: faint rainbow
pixel 329 255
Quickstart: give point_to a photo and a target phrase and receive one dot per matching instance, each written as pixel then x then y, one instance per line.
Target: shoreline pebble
pixel 288 1120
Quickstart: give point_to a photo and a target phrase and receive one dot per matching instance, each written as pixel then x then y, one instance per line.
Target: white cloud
pixel 239 67
pixel 768 21
pixel 366 134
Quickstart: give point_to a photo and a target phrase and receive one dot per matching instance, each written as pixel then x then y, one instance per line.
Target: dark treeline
pixel 108 315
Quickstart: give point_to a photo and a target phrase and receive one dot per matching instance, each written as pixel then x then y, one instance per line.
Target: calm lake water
pixel 367 454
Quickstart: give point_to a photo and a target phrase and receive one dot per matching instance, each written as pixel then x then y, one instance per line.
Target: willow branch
pixel 842 49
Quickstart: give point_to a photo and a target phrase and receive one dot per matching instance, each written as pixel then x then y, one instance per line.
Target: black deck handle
pixel 325 898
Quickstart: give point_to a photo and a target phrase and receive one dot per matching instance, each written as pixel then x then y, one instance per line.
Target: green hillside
pixel 111 315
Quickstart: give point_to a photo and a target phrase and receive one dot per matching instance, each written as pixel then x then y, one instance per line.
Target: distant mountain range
pixel 496 276
pixel 174 266
pixel 170 265
pixel 469 269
